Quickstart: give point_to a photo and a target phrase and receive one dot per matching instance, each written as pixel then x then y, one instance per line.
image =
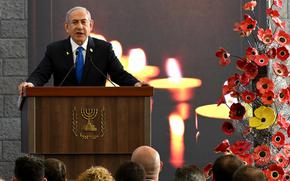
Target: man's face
pixel 79 26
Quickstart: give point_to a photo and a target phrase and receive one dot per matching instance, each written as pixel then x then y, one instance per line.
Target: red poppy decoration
pixel 240 147
pixel 223 147
pixel 265 85
pixel 278 22
pixel 244 80
pixel 250 5
pixel 271 53
pixel 286 176
pixel 278 3
pixel 268 98
pixel 282 38
pixel 246 158
pixel 251 70
pixel 265 36
pixel 248 96
pixel 281 160
pixel 234 80
pixel 274 173
pixel 280 69
pixel 282 53
pixel 228 128
pixel 278 139
pixel 251 53
pixel 223 56
pixel 237 111
pixel 246 130
pixel 261 60
pixel 262 155
pixel 272 13
pixel 284 95
pixel 288 133
pixel 247 26
pixel 207 170
pixel 282 122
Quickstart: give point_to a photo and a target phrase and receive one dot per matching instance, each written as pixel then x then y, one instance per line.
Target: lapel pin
pixel 67 53
pixel 91 50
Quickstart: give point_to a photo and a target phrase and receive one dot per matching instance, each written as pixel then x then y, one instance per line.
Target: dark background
pixel 190 30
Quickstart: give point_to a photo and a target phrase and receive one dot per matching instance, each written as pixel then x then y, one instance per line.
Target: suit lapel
pixel 69 60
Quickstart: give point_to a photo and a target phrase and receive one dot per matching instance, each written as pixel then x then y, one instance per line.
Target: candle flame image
pixel 117 47
pixel 136 60
pixel 173 69
pixel 98 36
pixel 177 128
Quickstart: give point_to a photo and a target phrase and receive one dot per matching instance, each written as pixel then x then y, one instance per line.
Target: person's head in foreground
pixel 130 171
pixel 189 173
pixel 96 173
pixel 249 173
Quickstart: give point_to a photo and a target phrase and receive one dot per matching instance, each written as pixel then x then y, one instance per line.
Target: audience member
pixel 249 173
pixel 149 158
pixel 130 171
pixel 97 173
pixel 55 170
pixel 28 168
pixel 225 166
pixel 189 173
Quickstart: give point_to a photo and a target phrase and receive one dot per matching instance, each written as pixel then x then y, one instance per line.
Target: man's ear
pixel 66 27
pixel 161 166
pixel 92 24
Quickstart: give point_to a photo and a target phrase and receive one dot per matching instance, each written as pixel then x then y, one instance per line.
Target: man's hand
pixel 141 84
pixel 22 86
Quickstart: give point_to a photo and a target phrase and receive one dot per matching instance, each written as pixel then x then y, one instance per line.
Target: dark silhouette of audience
pixel 225 166
pixel 28 168
pixel 55 170
pixel 189 173
pixel 249 173
pixel 130 171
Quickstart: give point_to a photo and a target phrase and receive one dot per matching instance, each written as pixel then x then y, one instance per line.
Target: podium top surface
pixel 88 91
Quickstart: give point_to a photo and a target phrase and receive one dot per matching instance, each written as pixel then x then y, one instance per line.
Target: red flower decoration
pixel 282 53
pixel 244 80
pixel 268 98
pixel 223 147
pixel 278 22
pixel 271 53
pixel 278 3
pixel 286 176
pixel 265 85
pixel 281 160
pixel 248 96
pixel 246 130
pixel 282 38
pixel 207 170
pixel 272 13
pixel 251 70
pixel 223 56
pixel 250 5
pixel 228 128
pixel 246 27
pixel 280 69
pixel 262 155
pixel 251 53
pixel 237 111
pixel 274 173
pixel 284 95
pixel 288 134
pixel 282 122
pixel 246 158
pixel 261 60
pixel 265 36
pixel 240 147
pixel 278 139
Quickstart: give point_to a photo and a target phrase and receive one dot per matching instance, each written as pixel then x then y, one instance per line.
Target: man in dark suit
pixel 79 60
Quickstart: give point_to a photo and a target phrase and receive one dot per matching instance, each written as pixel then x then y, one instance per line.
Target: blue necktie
pixel 79 64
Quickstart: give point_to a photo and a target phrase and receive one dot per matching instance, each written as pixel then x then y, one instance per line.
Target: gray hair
pixel 68 13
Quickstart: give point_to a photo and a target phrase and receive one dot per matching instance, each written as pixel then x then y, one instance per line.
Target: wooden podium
pixel 86 126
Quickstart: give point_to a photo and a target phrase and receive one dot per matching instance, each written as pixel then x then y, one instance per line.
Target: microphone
pixel 72 67
pixel 98 69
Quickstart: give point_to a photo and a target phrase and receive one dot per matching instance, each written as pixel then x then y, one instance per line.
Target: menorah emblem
pixel 89 115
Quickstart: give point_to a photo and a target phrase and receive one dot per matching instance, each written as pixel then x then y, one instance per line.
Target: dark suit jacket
pixel 58 61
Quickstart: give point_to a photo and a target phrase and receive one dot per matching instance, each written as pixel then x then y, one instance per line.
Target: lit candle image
pixel 177 128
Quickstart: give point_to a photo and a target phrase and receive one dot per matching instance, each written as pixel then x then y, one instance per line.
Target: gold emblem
pixel 88 123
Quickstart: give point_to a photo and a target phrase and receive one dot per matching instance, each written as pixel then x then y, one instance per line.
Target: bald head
pixel 149 158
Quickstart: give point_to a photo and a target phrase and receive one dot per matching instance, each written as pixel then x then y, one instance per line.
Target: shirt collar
pixel 75 46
